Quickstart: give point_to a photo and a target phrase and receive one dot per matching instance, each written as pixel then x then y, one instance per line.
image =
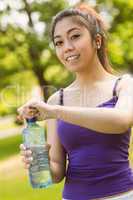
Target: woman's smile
pixel 72 58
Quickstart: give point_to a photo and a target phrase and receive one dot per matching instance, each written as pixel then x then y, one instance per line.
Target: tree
pixel 121 32
pixel 29 49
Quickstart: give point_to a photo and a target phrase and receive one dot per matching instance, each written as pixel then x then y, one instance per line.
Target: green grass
pixel 18 188
pixel 9 146
pixel 14 183
pixel 6 126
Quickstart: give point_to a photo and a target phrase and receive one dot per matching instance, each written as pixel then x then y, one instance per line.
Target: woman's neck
pixel 92 76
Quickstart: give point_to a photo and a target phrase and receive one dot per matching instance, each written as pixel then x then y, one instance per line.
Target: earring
pixel 98 46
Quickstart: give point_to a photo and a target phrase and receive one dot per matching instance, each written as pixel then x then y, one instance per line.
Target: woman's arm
pixel 105 120
pixel 57 154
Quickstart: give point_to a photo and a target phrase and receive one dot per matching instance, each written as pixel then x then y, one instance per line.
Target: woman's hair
pixel 86 16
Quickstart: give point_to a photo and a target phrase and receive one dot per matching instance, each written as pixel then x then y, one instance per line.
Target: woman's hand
pixel 38 109
pixel 27 154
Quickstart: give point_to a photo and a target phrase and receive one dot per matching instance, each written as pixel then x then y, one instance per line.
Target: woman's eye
pixel 58 43
pixel 75 36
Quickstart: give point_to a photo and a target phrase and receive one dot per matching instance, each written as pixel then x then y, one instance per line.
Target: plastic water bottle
pixel 34 139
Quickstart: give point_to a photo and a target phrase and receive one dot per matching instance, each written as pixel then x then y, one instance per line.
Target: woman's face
pixel 73 44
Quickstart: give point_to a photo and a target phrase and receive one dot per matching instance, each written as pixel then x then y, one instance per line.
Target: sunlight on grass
pixel 14 183
pixel 4 127
pixel 9 146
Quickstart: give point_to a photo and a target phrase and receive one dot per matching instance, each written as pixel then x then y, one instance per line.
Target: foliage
pixel 14 183
pixel 25 49
pixel 9 146
pixel 121 32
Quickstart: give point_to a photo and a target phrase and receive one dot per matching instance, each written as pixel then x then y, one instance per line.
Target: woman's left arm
pixel 106 120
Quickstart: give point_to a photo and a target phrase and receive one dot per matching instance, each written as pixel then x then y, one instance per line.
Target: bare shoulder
pixel 54 98
pixel 71 89
pixel 126 80
pixel 126 83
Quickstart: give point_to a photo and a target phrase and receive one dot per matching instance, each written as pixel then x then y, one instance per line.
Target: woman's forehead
pixel 65 25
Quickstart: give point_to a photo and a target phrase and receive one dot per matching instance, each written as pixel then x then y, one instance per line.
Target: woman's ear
pixel 98 41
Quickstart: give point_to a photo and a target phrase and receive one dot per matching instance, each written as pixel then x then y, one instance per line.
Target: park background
pixel 28 63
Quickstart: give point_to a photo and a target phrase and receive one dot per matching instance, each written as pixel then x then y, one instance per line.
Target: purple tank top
pixel 98 162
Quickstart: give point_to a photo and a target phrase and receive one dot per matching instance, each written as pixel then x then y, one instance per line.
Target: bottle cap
pixel 31 120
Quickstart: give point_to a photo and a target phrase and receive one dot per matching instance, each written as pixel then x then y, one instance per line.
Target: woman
pixel 94 123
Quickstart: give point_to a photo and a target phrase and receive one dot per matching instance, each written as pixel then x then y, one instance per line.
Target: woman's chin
pixel 75 69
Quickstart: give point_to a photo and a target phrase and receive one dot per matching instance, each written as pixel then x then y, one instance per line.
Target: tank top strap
pixel 61 94
pixel 115 86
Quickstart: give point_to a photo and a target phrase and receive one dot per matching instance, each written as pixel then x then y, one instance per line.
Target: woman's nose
pixel 68 46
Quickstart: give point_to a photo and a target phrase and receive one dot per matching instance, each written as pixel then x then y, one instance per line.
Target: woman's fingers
pixel 26 155
pixel 47 146
pixel 27 166
pixel 38 109
pixel 26 163
pixel 27 112
pixel 27 160
pixel 22 147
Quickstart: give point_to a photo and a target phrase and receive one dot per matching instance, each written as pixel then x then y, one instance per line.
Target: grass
pixel 7 123
pixel 6 126
pixel 14 183
pixel 18 188
pixel 9 146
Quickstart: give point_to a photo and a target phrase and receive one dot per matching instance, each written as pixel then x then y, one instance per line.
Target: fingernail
pixel 30 152
pixel 31 158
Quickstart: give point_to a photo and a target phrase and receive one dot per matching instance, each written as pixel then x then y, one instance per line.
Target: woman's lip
pixel 77 56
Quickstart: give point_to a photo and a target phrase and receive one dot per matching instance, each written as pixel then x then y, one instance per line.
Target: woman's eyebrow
pixel 72 29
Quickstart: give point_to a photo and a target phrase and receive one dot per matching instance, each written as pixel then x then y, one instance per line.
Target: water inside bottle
pixel 39 170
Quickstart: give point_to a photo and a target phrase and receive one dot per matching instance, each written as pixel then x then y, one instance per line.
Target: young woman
pixel 90 129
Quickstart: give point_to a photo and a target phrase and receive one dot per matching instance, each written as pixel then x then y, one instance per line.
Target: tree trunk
pixel 35 57
pixel 131 69
pixel 82 1
pixel 42 82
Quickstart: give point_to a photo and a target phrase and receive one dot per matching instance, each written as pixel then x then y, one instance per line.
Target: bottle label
pixel 40 159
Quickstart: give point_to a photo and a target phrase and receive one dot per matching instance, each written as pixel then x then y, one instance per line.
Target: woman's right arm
pixel 57 154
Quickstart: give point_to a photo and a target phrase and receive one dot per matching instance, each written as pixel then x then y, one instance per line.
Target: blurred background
pixel 29 68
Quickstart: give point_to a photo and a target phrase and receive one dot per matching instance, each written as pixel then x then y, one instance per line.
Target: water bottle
pixel 39 170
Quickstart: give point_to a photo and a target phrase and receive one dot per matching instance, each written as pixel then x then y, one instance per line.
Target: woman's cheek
pixel 58 55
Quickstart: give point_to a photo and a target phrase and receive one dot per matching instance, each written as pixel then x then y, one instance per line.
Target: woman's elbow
pixel 125 122
pixel 57 179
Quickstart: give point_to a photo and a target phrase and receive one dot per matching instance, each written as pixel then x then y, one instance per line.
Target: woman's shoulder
pixel 54 98
pixel 71 87
pixel 126 81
